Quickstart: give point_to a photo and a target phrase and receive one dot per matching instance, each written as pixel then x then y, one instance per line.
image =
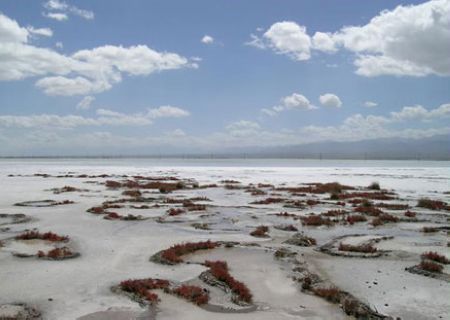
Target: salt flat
pixel 115 250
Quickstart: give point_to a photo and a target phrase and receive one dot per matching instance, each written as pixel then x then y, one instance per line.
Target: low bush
pixel 193 294
pixel 219 269
pixel 260 232
pixel 363 248
pixel 173 254
pixel 331 294
pixel 430 266
pixel 316 220
pixel 434 256
pixel 49 236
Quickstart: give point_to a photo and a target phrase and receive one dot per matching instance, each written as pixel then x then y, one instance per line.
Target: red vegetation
pixel 312 202
pixel 332 187
pixel 112 216
pixel 410 214
pixel 382 195
pixel 286 215
pixel 430 266
pixel 193 294
pixel 175 211
pixel 56 253
pixel 371 211
pixel 173 254
pixel 434 256
pixel 333 213
pixel 260 232
pixel 269 201
pixel 364 248
pixel 289 227
pixel 316 220
pixel 132 193
pixel 392 206
pixel 331 294
pixel 430 229
pixel 219 269
pixel 96 210
pixel 376 222
pixel 142 288
pixel 49 236
pixel 386 217
pixel 355 218
pixel 112 184
pixel 433 204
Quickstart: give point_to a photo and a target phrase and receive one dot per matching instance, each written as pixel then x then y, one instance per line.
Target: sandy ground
pixel 112 251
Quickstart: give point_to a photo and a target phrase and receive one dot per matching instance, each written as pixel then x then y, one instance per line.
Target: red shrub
pixel 431 266
pixel 132 193
pixel 142 288
pixel 316 220
pixel 385 217
pixel 260 231
pixel 269 201
pixel 371 211
pixel 96 210
pixel 364 248
pixel 376 222
pixel 312 202
pixel 331 294
pixel 430 255
pixel 410 214
pixel 433 204
pixel 175 211
pixel 333 213
pixel 219 269
pixel 382 195
pixel 49 236
pixel 112 184
pixel 193 294
pixel 59 253
pixel 112 216
pixel 356 218
pixel 191 206
pixel 430 229
pixel 173 254
pixel 392 206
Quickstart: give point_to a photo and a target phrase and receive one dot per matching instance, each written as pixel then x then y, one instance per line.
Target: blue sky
pixel 150 84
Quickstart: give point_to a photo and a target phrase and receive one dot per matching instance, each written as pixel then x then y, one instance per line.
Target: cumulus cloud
pixel 324 42
pixel 63 8
pixel 330 100
pixel 411 40
pixel 85 103
pixel 83 73
pixel 419 112
pixel 370 104
pixel 103 117
pixel 46 32
pixel 293 101
pixel 290 39
pixel 58 16
pixel 207 39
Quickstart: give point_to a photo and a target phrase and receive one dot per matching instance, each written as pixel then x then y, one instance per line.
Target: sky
pixel 149 77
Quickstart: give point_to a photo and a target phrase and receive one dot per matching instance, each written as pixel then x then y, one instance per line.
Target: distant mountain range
pixel 434 148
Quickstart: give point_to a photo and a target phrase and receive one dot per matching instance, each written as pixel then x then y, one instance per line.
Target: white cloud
pixel 59 16
pixel 10 31
pixel 324 42
pixel 167 112
pixel 411 40
pixel 104 117
pixel 82 73
pixel 419 112
pixel 85 103
pixel 290 39
pixel 46 32
pixel 207 39
pixel 63 8
pixel 59 45
pixel 294 101
pixel 330 100
pixel 370 104
pixel 256 42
